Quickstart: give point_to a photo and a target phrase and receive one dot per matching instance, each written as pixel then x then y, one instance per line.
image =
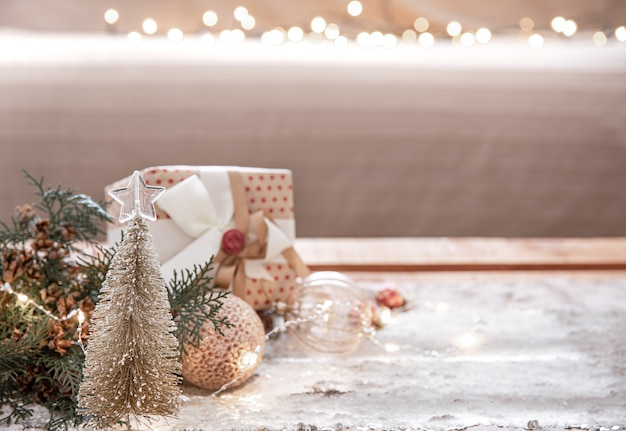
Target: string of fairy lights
pixel 467 340
pixel 320 30
pixel 27 301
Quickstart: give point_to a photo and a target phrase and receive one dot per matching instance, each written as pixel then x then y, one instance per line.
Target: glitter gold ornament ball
pixel 228 359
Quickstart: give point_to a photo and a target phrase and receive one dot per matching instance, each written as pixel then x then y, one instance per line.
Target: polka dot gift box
pixel 243 217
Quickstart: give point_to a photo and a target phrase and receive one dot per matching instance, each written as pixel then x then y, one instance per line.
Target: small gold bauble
pixel 230 358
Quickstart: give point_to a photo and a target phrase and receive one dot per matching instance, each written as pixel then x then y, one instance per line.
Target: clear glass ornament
pixel 328 314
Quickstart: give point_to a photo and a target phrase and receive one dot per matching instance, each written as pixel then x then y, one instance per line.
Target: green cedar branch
pixel 195 302
pixel 65 207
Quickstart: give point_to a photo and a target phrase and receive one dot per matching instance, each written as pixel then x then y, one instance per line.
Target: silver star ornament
pixel 137 199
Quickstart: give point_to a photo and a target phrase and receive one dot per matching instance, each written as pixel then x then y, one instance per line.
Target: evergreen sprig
pixel 50 253
pixel 21 334
pixel 65 371
pixel 65 207
pixel 195 302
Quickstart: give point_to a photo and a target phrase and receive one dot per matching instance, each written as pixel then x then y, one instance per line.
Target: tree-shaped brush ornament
pixel 132 365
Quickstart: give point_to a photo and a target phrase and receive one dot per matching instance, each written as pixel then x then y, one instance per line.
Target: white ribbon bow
pixel 202 207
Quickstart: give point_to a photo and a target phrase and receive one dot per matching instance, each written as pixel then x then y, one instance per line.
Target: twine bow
pixel 191 207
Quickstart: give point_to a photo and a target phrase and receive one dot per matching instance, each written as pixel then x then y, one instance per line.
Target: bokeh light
pixel 240 13
pixel 376 38
pixel 341 43
pixel 599 38
pixel 409 35
pixel 318 24
pixel 175 35
pixel 468 39
pixel 232 38
pixel 421 24
pixel 209 18
pixel 483 35
pixel 295 34
pixel 557 24
pixel 426 40
pixel 570 27
pixel 454 28
pixel 332 31
pixel 208 40
pixel 390 41
pixel 248 23
pixel 355 8
pixel 149 26
pixel 273 37
pixel 526 24
pixel 535 41
pixel 363 39
pixel 134 38
pixel 111 16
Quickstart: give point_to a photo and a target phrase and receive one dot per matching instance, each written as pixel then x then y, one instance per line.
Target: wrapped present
pixel 244 217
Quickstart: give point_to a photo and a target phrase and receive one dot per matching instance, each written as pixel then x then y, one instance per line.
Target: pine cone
pixel 43 389
pixel 53 294
pixel 43 227
pixel 68 232
pixel 26 379
pixel 19 262
pixel 24 215
pixel 60 345
pixel 58 341
pixel 87 306
pixel 46 390
pixel 62 307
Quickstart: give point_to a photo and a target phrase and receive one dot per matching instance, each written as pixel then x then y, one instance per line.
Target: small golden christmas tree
pixel 132 365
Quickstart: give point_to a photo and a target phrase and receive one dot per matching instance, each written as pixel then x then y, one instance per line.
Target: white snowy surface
pixel 550 349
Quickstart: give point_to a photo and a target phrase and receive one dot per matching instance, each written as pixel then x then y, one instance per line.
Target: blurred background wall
pixel 498 139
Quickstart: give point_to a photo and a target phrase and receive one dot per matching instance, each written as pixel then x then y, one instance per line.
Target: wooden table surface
pixel 462 254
